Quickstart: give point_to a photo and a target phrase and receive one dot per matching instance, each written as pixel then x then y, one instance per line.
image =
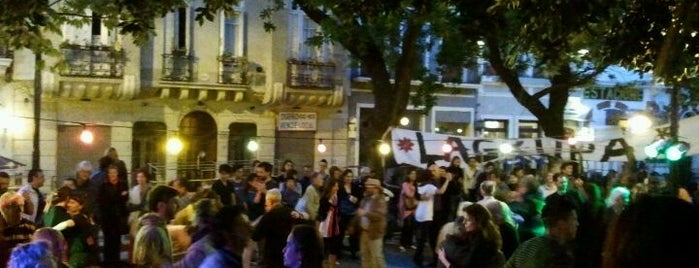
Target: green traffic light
pixel 676 151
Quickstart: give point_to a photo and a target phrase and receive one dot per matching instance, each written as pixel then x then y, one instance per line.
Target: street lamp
pixel 174 146
pixel 384 149
pixel 506 148
pixel 404 121
pixel 639 124
pixel 86 136
pixel 253 146
pixel 321 147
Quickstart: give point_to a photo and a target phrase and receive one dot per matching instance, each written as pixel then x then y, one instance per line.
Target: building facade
pixel 215 86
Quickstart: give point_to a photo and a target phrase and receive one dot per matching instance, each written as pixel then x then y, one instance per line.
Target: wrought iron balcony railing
pixel 310 74
pixel 93 61
pixel 179 67
pixel 233 70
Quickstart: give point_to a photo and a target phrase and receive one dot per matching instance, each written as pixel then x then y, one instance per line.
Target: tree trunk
pixel 36 153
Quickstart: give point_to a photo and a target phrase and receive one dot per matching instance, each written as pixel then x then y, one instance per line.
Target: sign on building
pixel 290 121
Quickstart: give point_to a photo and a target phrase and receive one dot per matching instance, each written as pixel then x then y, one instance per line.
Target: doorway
pixel 199 133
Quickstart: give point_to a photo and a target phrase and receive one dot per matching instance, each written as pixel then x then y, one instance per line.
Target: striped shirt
pixel 542 251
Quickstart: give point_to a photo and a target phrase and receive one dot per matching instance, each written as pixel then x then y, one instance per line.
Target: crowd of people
pixel 463 215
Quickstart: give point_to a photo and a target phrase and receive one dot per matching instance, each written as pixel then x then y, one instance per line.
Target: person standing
pixel 303 248
pixel 471 173
pixel 424 213
pixel 137 199
pixel 31 192
pixel 406 209
pixel 372 215
pixel 112 198
pixel 15 228
pixel 162 204
pixel 329 218
pixel 348 198
pixel 77 230
pixel 223 186
pixel 274 228
pixel 113 156
pixel 555 248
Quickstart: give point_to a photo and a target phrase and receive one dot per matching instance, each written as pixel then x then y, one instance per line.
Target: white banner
pixel 418 148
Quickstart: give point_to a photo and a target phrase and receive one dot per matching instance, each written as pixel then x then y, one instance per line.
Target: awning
pixel 6 163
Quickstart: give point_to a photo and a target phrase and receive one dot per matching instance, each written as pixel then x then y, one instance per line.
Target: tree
pixel 558 38
pixel 385 38
pixel 661 36
pixel 30 23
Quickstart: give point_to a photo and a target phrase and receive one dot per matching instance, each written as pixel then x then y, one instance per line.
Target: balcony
pixel 233 70
pixel 310 74
pixel 93 61
pixel 179 66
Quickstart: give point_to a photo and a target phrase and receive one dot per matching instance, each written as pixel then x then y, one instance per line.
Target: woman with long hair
pixel 329 218
pixel 348 200
pixel 303 248
pixel 477 244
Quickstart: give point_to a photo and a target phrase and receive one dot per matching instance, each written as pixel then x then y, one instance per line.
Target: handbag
pixel 409 203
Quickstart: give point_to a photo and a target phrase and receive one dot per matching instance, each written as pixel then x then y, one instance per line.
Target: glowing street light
pixel 404 121
pixel 384 148
pixel 321 147
pixel 174 146
pixel 86 136
pixel 253 146
pixel 639 124
pixel 506 148
pixel 446 148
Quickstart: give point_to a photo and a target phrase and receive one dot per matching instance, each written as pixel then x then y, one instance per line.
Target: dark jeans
pixel 423 235
pixel 407 233
pixel 112 244
pixel 354 238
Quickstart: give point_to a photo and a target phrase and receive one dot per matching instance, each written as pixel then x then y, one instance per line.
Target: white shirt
pixel 34 198
pixel 546 191
pixel 425 206
pixel 470 177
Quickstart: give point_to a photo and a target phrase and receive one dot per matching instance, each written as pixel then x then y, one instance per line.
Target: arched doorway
pixel 197 160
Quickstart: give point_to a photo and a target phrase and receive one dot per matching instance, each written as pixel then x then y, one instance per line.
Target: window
pixel 180 29
pixel 233 34
pixel 457 123
pixel 302 28
pixel 495 129
pixel 529 129
pixel 93 33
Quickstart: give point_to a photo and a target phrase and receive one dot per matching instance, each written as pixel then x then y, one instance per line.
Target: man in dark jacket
pixel 274 228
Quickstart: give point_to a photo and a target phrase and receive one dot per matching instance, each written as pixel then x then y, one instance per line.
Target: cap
pixel 372 182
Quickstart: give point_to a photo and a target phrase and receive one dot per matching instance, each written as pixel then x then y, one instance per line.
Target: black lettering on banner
pixel 558 149
pixel 477 149
pixel 539 144
pixel 458 147
pixel 610 150
pixel 424 157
